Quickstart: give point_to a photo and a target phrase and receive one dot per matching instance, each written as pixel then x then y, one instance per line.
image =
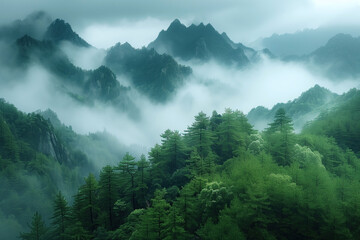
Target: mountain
pixel 199 42
pixel 35 163
pixel 341 124
pixel 29 51
pixel 339 58
pixel 100 148
pixel 34 25
pixel 156 75
pixel 302 109
pixel 85 86
pixel 302 42
pixel 59 31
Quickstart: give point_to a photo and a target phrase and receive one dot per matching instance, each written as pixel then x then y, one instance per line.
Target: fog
pixel 254 19
pixel 210 87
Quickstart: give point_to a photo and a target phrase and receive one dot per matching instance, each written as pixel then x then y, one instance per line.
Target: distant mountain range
pixel 203 43
pixel 303 109
pixel 82 85
pixel 339 58
pixel 33 25
pixel 59 31
pixel 156 75
pixel 153 71
pixel 302 42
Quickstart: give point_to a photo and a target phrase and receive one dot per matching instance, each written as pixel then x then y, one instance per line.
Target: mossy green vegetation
pixel 221 179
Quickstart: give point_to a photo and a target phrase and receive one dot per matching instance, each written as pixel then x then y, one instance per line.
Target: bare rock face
pixel 50 146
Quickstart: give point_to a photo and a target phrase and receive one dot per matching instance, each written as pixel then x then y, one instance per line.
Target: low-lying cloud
pixel 211 87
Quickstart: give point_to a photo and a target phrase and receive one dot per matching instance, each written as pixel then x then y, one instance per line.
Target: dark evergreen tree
pixel 88 203
pixel 199 135
pixel 38 229
pixel 127 167
pixel 61 218
pixel 280 138
pixel 229 135
pixel 108 195
pixel 174 151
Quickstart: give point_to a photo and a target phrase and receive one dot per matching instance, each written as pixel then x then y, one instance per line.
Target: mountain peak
pixel 200 41
pixel 59 30
pixel 26 41
pixel 340 38
pixel 176 24
pixel 316 95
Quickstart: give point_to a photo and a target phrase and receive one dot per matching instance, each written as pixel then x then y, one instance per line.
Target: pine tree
pixel 173 225
pixel 127 167
pixel 61 218
pixel 152 222
pixel 280 138
pixel 88 203
pixel 38 229
pixel 229 134
pixel 199 135
pixel 108 194
pixel 174 151
pixel 142 166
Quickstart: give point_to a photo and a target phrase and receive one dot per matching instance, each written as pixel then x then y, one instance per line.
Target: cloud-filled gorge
pixel 211 86
pixel 117 76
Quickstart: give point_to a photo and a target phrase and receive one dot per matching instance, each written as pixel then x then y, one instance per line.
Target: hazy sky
pixel 106 22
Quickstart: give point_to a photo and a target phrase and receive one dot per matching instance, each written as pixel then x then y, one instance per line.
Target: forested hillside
pixel 221 179
pixel 40 156
pixel 34 164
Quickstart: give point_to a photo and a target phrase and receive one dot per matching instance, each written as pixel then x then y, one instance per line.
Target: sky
pixel 103 23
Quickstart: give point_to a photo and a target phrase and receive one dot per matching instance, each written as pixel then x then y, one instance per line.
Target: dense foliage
pixel 221 179
pixel 34 164
pixel 156 75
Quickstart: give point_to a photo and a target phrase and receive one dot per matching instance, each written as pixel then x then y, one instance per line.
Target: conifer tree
pixel 280 138
pixel 108 194
pixel 127 166
pixel 38 229
pixel 174 151
pixel 230 135
pixel 199 135
pixel 61 218
pixel 88 203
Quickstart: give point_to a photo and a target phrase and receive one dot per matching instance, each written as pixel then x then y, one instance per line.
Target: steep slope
pixel 157 76
pixel 339 58
pixel 101 148
pixel 34 25
pixel 303 42
pixel 34 165
pixel 59 31
pixel 305 108
pixel 342 123
pixel 201 42
pixel 87 87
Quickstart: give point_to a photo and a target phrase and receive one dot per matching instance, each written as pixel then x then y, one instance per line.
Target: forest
pixel 219 179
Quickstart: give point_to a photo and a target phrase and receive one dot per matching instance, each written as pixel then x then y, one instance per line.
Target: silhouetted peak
pixel 59 30
pixel 175 23
pixel 127 45
pixel 60 24
pixel 104 72
pixel 209 26
pixel 26 41
pixel 316 94
pixel 340 38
